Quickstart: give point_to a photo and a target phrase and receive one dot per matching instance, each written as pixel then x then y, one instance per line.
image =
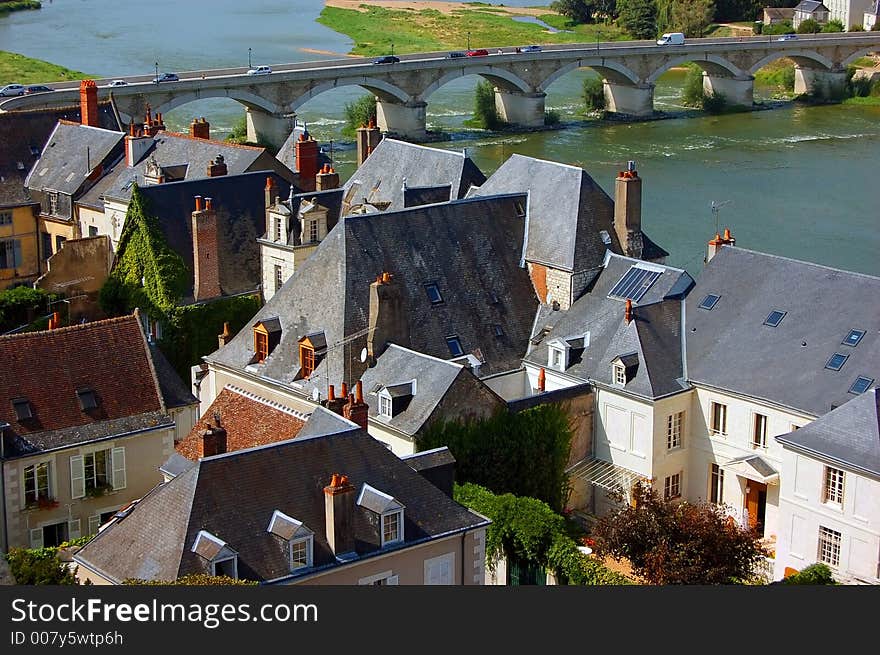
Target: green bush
pixel 809 26
pixel 782 27
pixel 814 574
pixel 758 28
pixel 692 94
pixel 594 94
pixel 39 566
pixel 20 305
pixel 486 115
pixel 551 117
pixel 359 113
pixel 856 27
pixel 833 26
pixel 876 27
pixel 17 5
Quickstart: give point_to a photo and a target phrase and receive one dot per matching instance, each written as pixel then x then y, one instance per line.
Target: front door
pixel 756 505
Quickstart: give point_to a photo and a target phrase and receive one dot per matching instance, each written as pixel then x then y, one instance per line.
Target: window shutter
pixel 77 477
pixel 37 538
pixel 16 253
pixel 73 529
pixel 433 574
pixel 119 468
pixel 394 579
pixel 94 524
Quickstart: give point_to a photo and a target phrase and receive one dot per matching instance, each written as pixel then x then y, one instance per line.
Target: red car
pixel 482 52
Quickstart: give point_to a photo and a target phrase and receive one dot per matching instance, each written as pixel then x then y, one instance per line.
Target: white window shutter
pixel 394 579
pixel 94 523
pixel 77 477
pixel 119 468
pixel 73 529
pixel 37 538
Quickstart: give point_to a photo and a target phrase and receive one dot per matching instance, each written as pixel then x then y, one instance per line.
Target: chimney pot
pixel 331 393
pixel 542 380
pixel 627 314
pixel 207 204
pixel 344 390
pixel 198 203
pixel 359 391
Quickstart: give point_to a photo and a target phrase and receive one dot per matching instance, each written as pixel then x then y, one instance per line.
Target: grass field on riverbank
pixel 374 29
pixel 18 5
pixel 16 68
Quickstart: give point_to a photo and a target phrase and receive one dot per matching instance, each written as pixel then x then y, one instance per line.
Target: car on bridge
pixel 167 77
pixel 118 83
pixel 387 59
pixel 455 54
pixel 260 70
pixel 787 37
pixel 37 88
pixel 482 52
pixel 530 48
pixel 12 90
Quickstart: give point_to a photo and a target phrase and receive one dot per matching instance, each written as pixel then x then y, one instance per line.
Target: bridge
pixel 629 70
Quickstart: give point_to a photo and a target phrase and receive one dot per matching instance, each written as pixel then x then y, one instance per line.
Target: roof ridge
pixel 548 161
pixel 70 328
pixel 425 356
pixel 228 144
pixel 269 403
pixel 418 145
pixel 803 261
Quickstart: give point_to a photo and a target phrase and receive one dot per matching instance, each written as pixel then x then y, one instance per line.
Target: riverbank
pixel 18 5
pixel 18 69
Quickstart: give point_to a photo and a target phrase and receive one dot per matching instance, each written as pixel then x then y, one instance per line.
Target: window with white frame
pixel 380 579
pixel 716 481
pixel 391 528
pixel 759 431
pixel 619 374
pixel 36 483
pixel 385 406
pixel 556 357
pixel 829 546
pixel 672 486
pixel 833 485
pixel 300 553
pixel 718 417
pixel 98 471
pixel 674 423
pixel 439 570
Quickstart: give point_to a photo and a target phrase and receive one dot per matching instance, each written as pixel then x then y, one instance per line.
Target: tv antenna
pixel 715 207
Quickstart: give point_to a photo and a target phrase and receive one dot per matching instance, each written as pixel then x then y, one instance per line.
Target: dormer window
pixel 299 539
pixel 556 359
pixel 619 374
pixel 267 335
pixel 623 369
pixel 389 512
pixel 22 407
pixel 385 406
pixel 306 360
pixel 311 347
pixel 221 559
pixel 87 400
pixel 394 398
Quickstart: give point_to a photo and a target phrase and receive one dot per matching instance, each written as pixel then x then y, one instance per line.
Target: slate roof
pixel 71 153
pixel 174 392
pixel 249 421
pixel 380 179
pixel 566 211
pixel 234 497
pixel 109 357
pixel 849 434
pixel 730 348
pixel 322 421
pixel 653 336
pixel 23 135
pixel 398 365
pixel 239 201
pixel 469 248
pixel 810 6
pixel 287 153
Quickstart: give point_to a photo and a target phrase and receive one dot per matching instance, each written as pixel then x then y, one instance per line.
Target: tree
pixel 692 16
pixel 809 26
pixel 485 112
pixel 638 17
pixel 679 543
pixel 579 11
pixel 39 566
pixel 359 113
pixel 834 25
pixel 814 574
pixel 594 94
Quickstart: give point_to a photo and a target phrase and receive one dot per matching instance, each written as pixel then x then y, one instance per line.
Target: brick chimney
pixel 327 178
pixel 628 311
pixel 356 410
pixel 628 211
pixel 306 161
pixel 335 403
pixel 368 137
pixel 224 337
pixel 387 320
pixel 217 167
pixel 136 145
pixel 213 438
pixel 88 101
pixel 339 514
pixel 716 244
pixel 200 128
pixel 152 126
pixel 206 269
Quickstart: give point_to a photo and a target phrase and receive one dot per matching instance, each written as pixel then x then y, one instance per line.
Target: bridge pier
pixel 821 83
pixel 629 99
pixel 738 91
pixel 263 127
pixel 405 120
pixel 525 109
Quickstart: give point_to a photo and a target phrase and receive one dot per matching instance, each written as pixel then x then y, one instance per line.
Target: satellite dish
pixel 316 395
pixel 363 354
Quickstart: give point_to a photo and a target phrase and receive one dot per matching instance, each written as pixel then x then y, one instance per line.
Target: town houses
pixel 315 330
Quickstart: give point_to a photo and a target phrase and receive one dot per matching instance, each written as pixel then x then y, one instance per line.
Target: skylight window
pixel 433 293
pixel 775 318
pixel 853 338
pixel 22 408
pixel 634 284
pixel 709 301
pixel 861 385
pixel 499 331
pixel 836 361
pixel 454 346
pixel 87 399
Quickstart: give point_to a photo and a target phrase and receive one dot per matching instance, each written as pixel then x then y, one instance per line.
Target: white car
pixel 12 90
pixel 260 70
pixel 118 83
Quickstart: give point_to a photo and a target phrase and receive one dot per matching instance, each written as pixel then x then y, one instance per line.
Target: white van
pixel 671 38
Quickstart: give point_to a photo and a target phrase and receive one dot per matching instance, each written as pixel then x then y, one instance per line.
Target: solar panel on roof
pixel 836 361
pixel 634 284
pixel 861 385
pixel 709 301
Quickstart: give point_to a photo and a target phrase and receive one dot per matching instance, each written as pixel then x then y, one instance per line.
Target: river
pixel 796 181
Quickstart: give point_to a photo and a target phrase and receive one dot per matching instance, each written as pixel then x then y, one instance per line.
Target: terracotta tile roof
pixel 47 368
pixel 248 420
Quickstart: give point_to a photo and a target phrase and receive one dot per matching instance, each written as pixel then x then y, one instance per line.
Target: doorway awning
pixel 605 474
pixel 753 467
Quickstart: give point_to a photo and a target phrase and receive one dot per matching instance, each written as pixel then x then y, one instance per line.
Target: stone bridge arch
pixel 248 99
pixel 805 59
pixel 500 77
pixel 385 91
pixel 610 70
pixel 712 64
